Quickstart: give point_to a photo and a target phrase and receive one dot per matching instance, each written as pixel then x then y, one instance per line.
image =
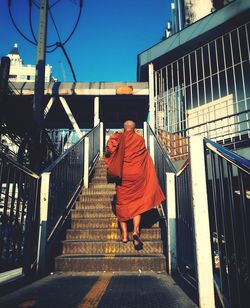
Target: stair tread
pixel 100 256
pixel 106 241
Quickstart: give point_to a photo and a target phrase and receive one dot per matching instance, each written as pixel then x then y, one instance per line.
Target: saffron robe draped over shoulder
pixel 139 190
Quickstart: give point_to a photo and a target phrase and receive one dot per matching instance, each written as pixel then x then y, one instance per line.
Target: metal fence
pixel 19 214
pixel 66 176
pixel 228 185
pixel 185 224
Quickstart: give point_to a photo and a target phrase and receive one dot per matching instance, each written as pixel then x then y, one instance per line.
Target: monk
pixel 139 190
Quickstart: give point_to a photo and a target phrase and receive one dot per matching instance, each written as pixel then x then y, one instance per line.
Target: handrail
pixel 171 165
pixel 19 166
pixel 54 163
pixel 237 160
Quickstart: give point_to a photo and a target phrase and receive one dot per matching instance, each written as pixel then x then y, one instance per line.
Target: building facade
pixel 202 79
pixel 20 72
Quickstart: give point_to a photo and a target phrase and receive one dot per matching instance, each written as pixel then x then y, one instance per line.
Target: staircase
pixel 93 242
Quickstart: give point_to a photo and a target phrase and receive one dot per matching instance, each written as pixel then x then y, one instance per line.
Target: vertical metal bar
pixel 145 134
pixel 171 217
pixel 44 205
pixel 201 223
pixel 210 72
pixel 203 75
pixel 151 147
pixel 151 96
pixel 217 66
pixel 86 163
pixel 225 63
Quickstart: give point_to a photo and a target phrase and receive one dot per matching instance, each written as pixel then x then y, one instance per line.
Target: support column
pixel 151 147
pixel 145 133
pixel 71 117
pixel 42 239
pixel 40 64
pixel 201 223
pixel 96 110
pixel 171 217
pixel 101 139
pixel 151 96
pixel 47 108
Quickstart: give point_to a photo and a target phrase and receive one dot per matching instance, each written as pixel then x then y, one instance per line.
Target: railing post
pixel 171 217
pixel 151 96
pixel 101 139
pixel 86 163
pixel 42 239
pixel 201 223
pixel 145 133
pixel 96 110
pixel 151 147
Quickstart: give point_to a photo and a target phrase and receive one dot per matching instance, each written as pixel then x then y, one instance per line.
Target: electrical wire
pixel 69 62
pixel 55 26
pixel 30 20
pixel 15 25
pixel 76 24
pixel 55 45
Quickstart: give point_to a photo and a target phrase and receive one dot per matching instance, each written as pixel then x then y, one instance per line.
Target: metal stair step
pixel 103 213
pixel 99 223
pixel 110 234
pixel 121 263
pixel 96 197
pixel 110 247
pixel 97 192
pixel 81 205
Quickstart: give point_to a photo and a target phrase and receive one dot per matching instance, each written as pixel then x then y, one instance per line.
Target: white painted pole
pixel 171 217
pixel 101 139
pixel 151 147
pixel 145 133
pixel 71 117
pixel 151 96
pixel 96 110
pixel 48 107
pixel 42 239
pixel 201 224
pixel 86 162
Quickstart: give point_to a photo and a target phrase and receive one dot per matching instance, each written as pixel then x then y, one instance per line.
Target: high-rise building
pixel 20 72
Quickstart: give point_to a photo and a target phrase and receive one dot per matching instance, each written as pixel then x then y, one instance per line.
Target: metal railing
pixel 185 224
pixel 60 185
pixel 160 158
pixel 228 186
pixel 19 215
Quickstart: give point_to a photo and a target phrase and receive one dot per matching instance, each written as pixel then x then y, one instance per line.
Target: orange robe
pixel 140 190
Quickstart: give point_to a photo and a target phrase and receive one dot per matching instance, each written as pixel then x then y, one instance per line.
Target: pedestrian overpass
pixel 61 221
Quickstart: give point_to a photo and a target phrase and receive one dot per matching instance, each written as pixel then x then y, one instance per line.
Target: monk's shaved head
pixel 129 125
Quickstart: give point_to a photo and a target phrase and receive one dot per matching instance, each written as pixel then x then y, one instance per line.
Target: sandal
pixel 137 239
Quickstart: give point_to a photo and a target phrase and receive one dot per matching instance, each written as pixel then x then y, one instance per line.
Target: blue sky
pixel 110 35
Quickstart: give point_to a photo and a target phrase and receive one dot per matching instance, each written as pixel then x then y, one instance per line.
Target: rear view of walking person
pixel 137 187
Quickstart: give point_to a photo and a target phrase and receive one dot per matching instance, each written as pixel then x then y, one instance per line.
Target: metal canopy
pixel 114 108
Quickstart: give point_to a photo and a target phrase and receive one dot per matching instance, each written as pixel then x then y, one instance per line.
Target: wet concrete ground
pixel 100 290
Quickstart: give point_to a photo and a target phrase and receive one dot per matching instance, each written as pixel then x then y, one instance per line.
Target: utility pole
pixel 38 102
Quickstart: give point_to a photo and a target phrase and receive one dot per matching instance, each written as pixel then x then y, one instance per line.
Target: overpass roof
pixel 83 88
pixel 119 101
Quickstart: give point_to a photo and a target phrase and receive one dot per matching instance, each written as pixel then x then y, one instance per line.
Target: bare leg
pixel 136 222
pixel 124 228
pixel 136 233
